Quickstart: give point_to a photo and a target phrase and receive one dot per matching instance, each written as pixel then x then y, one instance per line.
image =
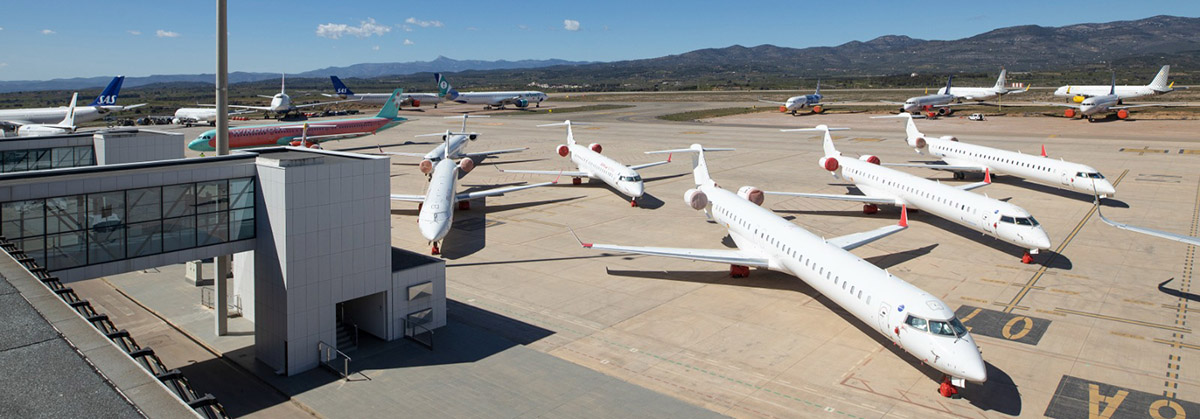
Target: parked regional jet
pixel 1157 86
pixel 592 164
pixel 962 157
pixel 881 185
pixel 913 319
pixel 796 103
pixel 454 144
pixel 936 104
pixel 409 99
pixel 490 100
pixel 436 212
pixel 980 94
pixel 197 116
pixel 281 103
pixel 1103 105
pixel 303 135
pixel 66 126
pixel 102 105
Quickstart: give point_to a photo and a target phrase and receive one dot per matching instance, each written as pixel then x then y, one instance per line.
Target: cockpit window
pixel 916 323
pixel 1092 175
pixel 634 178
pixel 1021 221
pixel 959 329
pixel 940 328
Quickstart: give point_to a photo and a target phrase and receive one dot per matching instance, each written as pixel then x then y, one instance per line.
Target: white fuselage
pixel 1123 92
pixel 281 102
pixel 195 116
pixel 877 298
pixel 437 212
pixel 927 102
pixel 1060 173
pixel 795 103
pixel 54 115
pixel 408 98
pixel 456 142
pixel 1097 105
pixel 500 98
pixel 599 166
pixel 995 218
pixel 977 94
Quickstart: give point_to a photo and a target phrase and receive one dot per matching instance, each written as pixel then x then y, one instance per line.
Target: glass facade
pixel 46 158
pixel 78 230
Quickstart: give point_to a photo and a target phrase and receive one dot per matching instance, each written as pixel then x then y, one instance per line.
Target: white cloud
pixel 407 28
pixel 523 27
pixel 1 28
pixel 48 32
pixel 375 48
pixel 364 29
pixel 134 33
pixel 571 25
pixel 409 42
pixel 472 29
pixel 424 23
pixel 2 65
pixel 166 34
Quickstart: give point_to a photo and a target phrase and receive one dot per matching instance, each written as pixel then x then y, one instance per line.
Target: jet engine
pixel 563 150
pixel 595 147
pixel 918 143
pixel 752 194
pixel 1079 98
pixel 818 109
pixel 521 103
pixel 783 109
pixel 870 159
pixel 1069 113
pixel 944 111
pixel 829 164
pixel 1122 114
pixel 950 138
pixel 416 103
pixel 466 165
pixel 695 198
pixel 426 166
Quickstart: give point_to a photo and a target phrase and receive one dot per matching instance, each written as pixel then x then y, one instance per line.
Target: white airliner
pixel 886 186
pixel 592 164
pixel 796 103
pixel 1157 86
pixel 935 104
pixel 521 99
pixel 197 116
pixel 281 103
pixel 911 318
pixel 436 212
pixel 1102 106
pixel 980 94
pixel 454 145
pixel 66 126
pixel 105 103
pixel 962 157
pixel 407 99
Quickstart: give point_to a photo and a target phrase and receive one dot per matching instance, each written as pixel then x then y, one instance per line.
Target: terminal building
pixel 309 231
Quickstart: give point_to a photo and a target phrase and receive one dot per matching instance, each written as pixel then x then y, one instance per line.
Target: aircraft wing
pixel 488 153
pixel 1192 240
pixel 13 124
pixel 408 198
pixel 309 105
pixel 257 108
pixel 854 198
pixel 1069 105
pixel 851 241
pixel 657 163
pixel 733 257
pixel 498 191
pixel 548 172
pixel 397 153
pixel 1143 105
pixel 331 137
pixel 946 167
pixel 975 185
pixel 893 103
pixel 772 102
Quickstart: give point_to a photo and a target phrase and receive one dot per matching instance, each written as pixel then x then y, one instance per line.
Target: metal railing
pixel 330 354
pixel 208 297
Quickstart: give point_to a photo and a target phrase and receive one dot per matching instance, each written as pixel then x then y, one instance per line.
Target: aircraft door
pixel 1067 180
pixel 989 222
pixel 884 311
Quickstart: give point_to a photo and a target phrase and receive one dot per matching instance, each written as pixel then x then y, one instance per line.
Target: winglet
pixel 581 243
pixel 903 216
pixel 555 182
pixel 1043 150
pixel 669 157
pixel 987 176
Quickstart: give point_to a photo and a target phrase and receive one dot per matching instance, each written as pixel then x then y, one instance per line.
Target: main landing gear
pixel 739 271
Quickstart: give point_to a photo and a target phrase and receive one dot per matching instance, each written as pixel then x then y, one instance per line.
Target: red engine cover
pixel 595 147
pixel 782 108
pixel 818 109
pixel 416 103
pixel 829 163
pixel 871 159
pixel 563 150
pixel 1122 114
pixel 466 165
pixel 426 166
pixel 1069 113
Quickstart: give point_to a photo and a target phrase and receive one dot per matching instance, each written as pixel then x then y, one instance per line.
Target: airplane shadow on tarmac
pixel 468 234
pixel 998 394
pixel 1162 287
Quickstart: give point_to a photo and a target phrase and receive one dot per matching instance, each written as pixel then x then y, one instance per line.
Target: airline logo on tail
pixel 444 89
pixel 109 96
pixel 339 87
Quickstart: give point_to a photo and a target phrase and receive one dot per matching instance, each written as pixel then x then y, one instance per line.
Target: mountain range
pixel 1148 43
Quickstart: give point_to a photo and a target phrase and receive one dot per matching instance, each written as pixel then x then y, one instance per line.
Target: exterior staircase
pixel 346 339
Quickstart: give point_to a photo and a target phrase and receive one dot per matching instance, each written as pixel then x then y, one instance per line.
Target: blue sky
pixel 51 39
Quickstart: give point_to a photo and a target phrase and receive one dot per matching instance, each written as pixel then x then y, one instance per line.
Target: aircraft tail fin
pixel 445 91
pixel 699 166
pixel 109 95
pixel 910 127
pixel 283 83
pixel 566 123
pixel 339 87
pixel 949 81
pixel 830 150
pixel 1160 80
pixel 818 91
pixel 1002 80
pixel 69 120
pixel 1113 90
pixel 389 109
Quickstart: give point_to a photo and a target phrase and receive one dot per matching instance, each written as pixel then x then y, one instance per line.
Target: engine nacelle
pixel 521 103
pixel 829 164
pixel 1079 98
pixel 563 150
pixel 595 147
pixel 466 165
pixel 1122 114
pixel 944 111
pixel 472 137
pixel 416 103
pixel 695 198
pixel 177 121
pixel 296 143
pixel 931 114
pixel 870 159
pixel 818 109
pixel 752 194
pixel 783 109
pixel 426 166
pixel 1069 113
pixel 918 143
pixel 950 138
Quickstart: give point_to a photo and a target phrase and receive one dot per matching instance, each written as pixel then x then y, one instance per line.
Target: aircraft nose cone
pixel 430 229
pixel 1040 240
pixel 636 190
pixel 1106 189
pixel 200 144
pixel 975 371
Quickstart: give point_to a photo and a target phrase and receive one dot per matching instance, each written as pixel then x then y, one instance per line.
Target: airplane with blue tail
pixel 414 100
pixel 105 103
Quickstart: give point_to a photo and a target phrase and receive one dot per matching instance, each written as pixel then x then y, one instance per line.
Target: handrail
pixel 328 353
